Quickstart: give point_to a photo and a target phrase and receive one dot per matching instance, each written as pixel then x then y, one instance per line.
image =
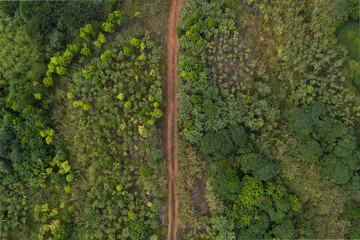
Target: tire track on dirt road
pixel 172 46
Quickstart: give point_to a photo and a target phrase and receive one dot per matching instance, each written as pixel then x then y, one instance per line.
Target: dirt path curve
pixel 171 118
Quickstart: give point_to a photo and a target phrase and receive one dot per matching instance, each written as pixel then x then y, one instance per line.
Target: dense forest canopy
pixel 267 128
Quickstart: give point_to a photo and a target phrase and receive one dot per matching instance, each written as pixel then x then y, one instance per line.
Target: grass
pixel 153 17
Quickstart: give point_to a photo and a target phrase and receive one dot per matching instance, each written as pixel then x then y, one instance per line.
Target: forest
pixel 265 119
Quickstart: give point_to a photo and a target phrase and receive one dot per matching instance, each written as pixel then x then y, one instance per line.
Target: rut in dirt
pixel 172 47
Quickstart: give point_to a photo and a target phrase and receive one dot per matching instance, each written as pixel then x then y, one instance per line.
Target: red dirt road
pixel 171 146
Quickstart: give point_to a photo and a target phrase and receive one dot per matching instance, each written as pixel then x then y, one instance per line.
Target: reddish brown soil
pixel 171 118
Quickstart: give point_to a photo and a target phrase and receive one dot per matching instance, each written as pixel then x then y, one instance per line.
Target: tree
pixel 216 145
pixel 226 183
pixel 336 169
pixel 239 136
pixel 157 113
pixel 48 81
pixel 224 228
pixel 352 213
pixel 303 120
pixel 108 54
pixel 285 230
pixel 256 230
pixel 263 168
pixel 311 150
pixel 354 183
pixel 249 199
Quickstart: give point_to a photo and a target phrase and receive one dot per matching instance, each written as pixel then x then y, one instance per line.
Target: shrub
pixel 128 51
pixel 85 51
pixel 100 40
pixel 108 54
pixel 48 81
pixel 87 32
pixel 121 96
pixel 108 27
pixel 135 42
pixel 127 105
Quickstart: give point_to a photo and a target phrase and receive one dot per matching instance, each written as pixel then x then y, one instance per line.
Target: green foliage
pixel 224 227
pixel 262 168
pixel 355 74
pixel 303 121
pixel 100 40
pixel 108 54
pixel 217 145
pixel 352 213
pixel 264 210
pixel 48 81
pixel 51 23
pixel 355 6
pixel 251 193
pixel 285 230
pixel 108 27
pixel 157 113
pixel 28 143
pixel 127 105
pixel 21 119
pixel 138 230
pixel 348 35
pixel 226 183
pixel 87 32
pixel 127 51
pixel 117 134
pixel 283 56
pixel 85 51
pixel 255 231
pixel 135 42
pixel 311 150
pixel 334 140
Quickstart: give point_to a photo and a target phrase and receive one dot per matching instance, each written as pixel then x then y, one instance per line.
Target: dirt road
pixel 171 118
